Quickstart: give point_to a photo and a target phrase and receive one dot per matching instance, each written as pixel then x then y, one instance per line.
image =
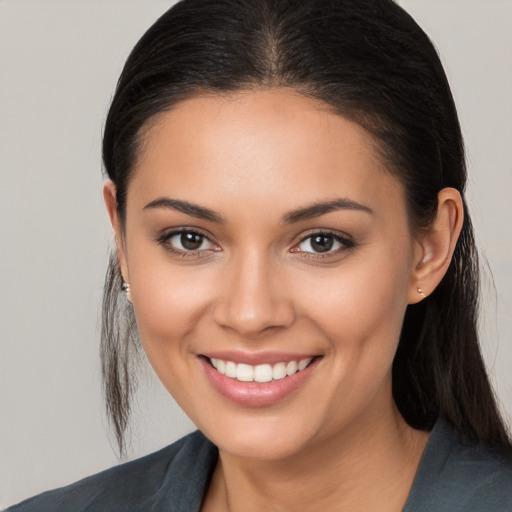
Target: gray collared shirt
pixel 452 477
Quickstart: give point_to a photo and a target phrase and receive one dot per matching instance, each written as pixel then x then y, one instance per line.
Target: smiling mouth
pixel 259 373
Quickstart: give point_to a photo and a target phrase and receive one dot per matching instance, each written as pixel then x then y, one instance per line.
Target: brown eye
pixel 185 241
pixel 322 243
pixel 191 241
pixel 319 243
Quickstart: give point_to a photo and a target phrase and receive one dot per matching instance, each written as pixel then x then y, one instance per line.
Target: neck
pixel 366 467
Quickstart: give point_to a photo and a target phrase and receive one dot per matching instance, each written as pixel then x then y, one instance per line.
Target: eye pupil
pixel 322 243
pixel 191 241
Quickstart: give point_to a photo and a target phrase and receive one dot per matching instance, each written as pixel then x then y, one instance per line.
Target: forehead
pixel 258 146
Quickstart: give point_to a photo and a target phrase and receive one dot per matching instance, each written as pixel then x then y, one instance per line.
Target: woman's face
pixel 263 233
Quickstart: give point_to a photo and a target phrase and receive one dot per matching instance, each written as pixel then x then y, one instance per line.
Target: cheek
pixel 359 298
pixel 169 307
pixel 351 302
pixel 169 302
pixel 360 309
pixel 360 313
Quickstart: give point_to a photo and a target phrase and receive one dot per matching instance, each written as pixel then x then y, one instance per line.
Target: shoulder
pixel 177 473
pixel 458 476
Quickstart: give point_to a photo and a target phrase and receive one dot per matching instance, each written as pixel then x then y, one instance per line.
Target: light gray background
pixel 59 61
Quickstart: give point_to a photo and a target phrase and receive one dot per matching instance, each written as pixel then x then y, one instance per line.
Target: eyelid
pixel 164 238
pixel 339 235
pixel 345 240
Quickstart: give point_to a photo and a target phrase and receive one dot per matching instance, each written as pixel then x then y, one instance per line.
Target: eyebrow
pixel 298 215
pixel 318 209
pixel 193 210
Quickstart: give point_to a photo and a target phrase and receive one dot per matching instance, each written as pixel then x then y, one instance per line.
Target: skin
pixel 257 285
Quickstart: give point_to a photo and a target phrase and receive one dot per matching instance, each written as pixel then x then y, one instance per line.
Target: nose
pixel 255 299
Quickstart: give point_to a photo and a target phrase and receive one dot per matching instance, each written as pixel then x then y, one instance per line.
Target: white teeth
pixel 304 362
pixel 263 373
pixel 230 369
pixel 221 366
pixel 291 367
pixel 259 373
pixel 279 371
pixel 244 372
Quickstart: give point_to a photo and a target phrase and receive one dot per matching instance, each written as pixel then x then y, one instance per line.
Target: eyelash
pixel 345 244
pixel 165 241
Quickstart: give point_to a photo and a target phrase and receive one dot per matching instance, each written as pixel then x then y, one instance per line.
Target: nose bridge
pixel 253 301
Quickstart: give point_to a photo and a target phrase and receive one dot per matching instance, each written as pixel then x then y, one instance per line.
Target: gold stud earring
pixel 421 292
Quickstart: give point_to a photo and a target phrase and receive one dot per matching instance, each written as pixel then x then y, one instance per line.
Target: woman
pixel 286 187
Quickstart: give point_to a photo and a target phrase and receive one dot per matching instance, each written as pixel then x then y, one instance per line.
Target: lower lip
pixel 256 394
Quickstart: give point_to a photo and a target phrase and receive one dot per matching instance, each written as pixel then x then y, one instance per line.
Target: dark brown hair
pixel 370 62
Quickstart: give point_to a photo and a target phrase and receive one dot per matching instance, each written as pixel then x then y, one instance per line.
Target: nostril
pixel 252 318
pixel 252 302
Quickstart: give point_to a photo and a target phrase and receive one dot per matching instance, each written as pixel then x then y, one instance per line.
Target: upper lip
pixel 256 358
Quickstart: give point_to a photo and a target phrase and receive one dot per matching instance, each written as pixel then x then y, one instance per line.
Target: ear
pixel 435 246
pixel 109 195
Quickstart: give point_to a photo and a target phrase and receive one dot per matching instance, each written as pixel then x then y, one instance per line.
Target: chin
pixel 261 440
pixel 271 449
